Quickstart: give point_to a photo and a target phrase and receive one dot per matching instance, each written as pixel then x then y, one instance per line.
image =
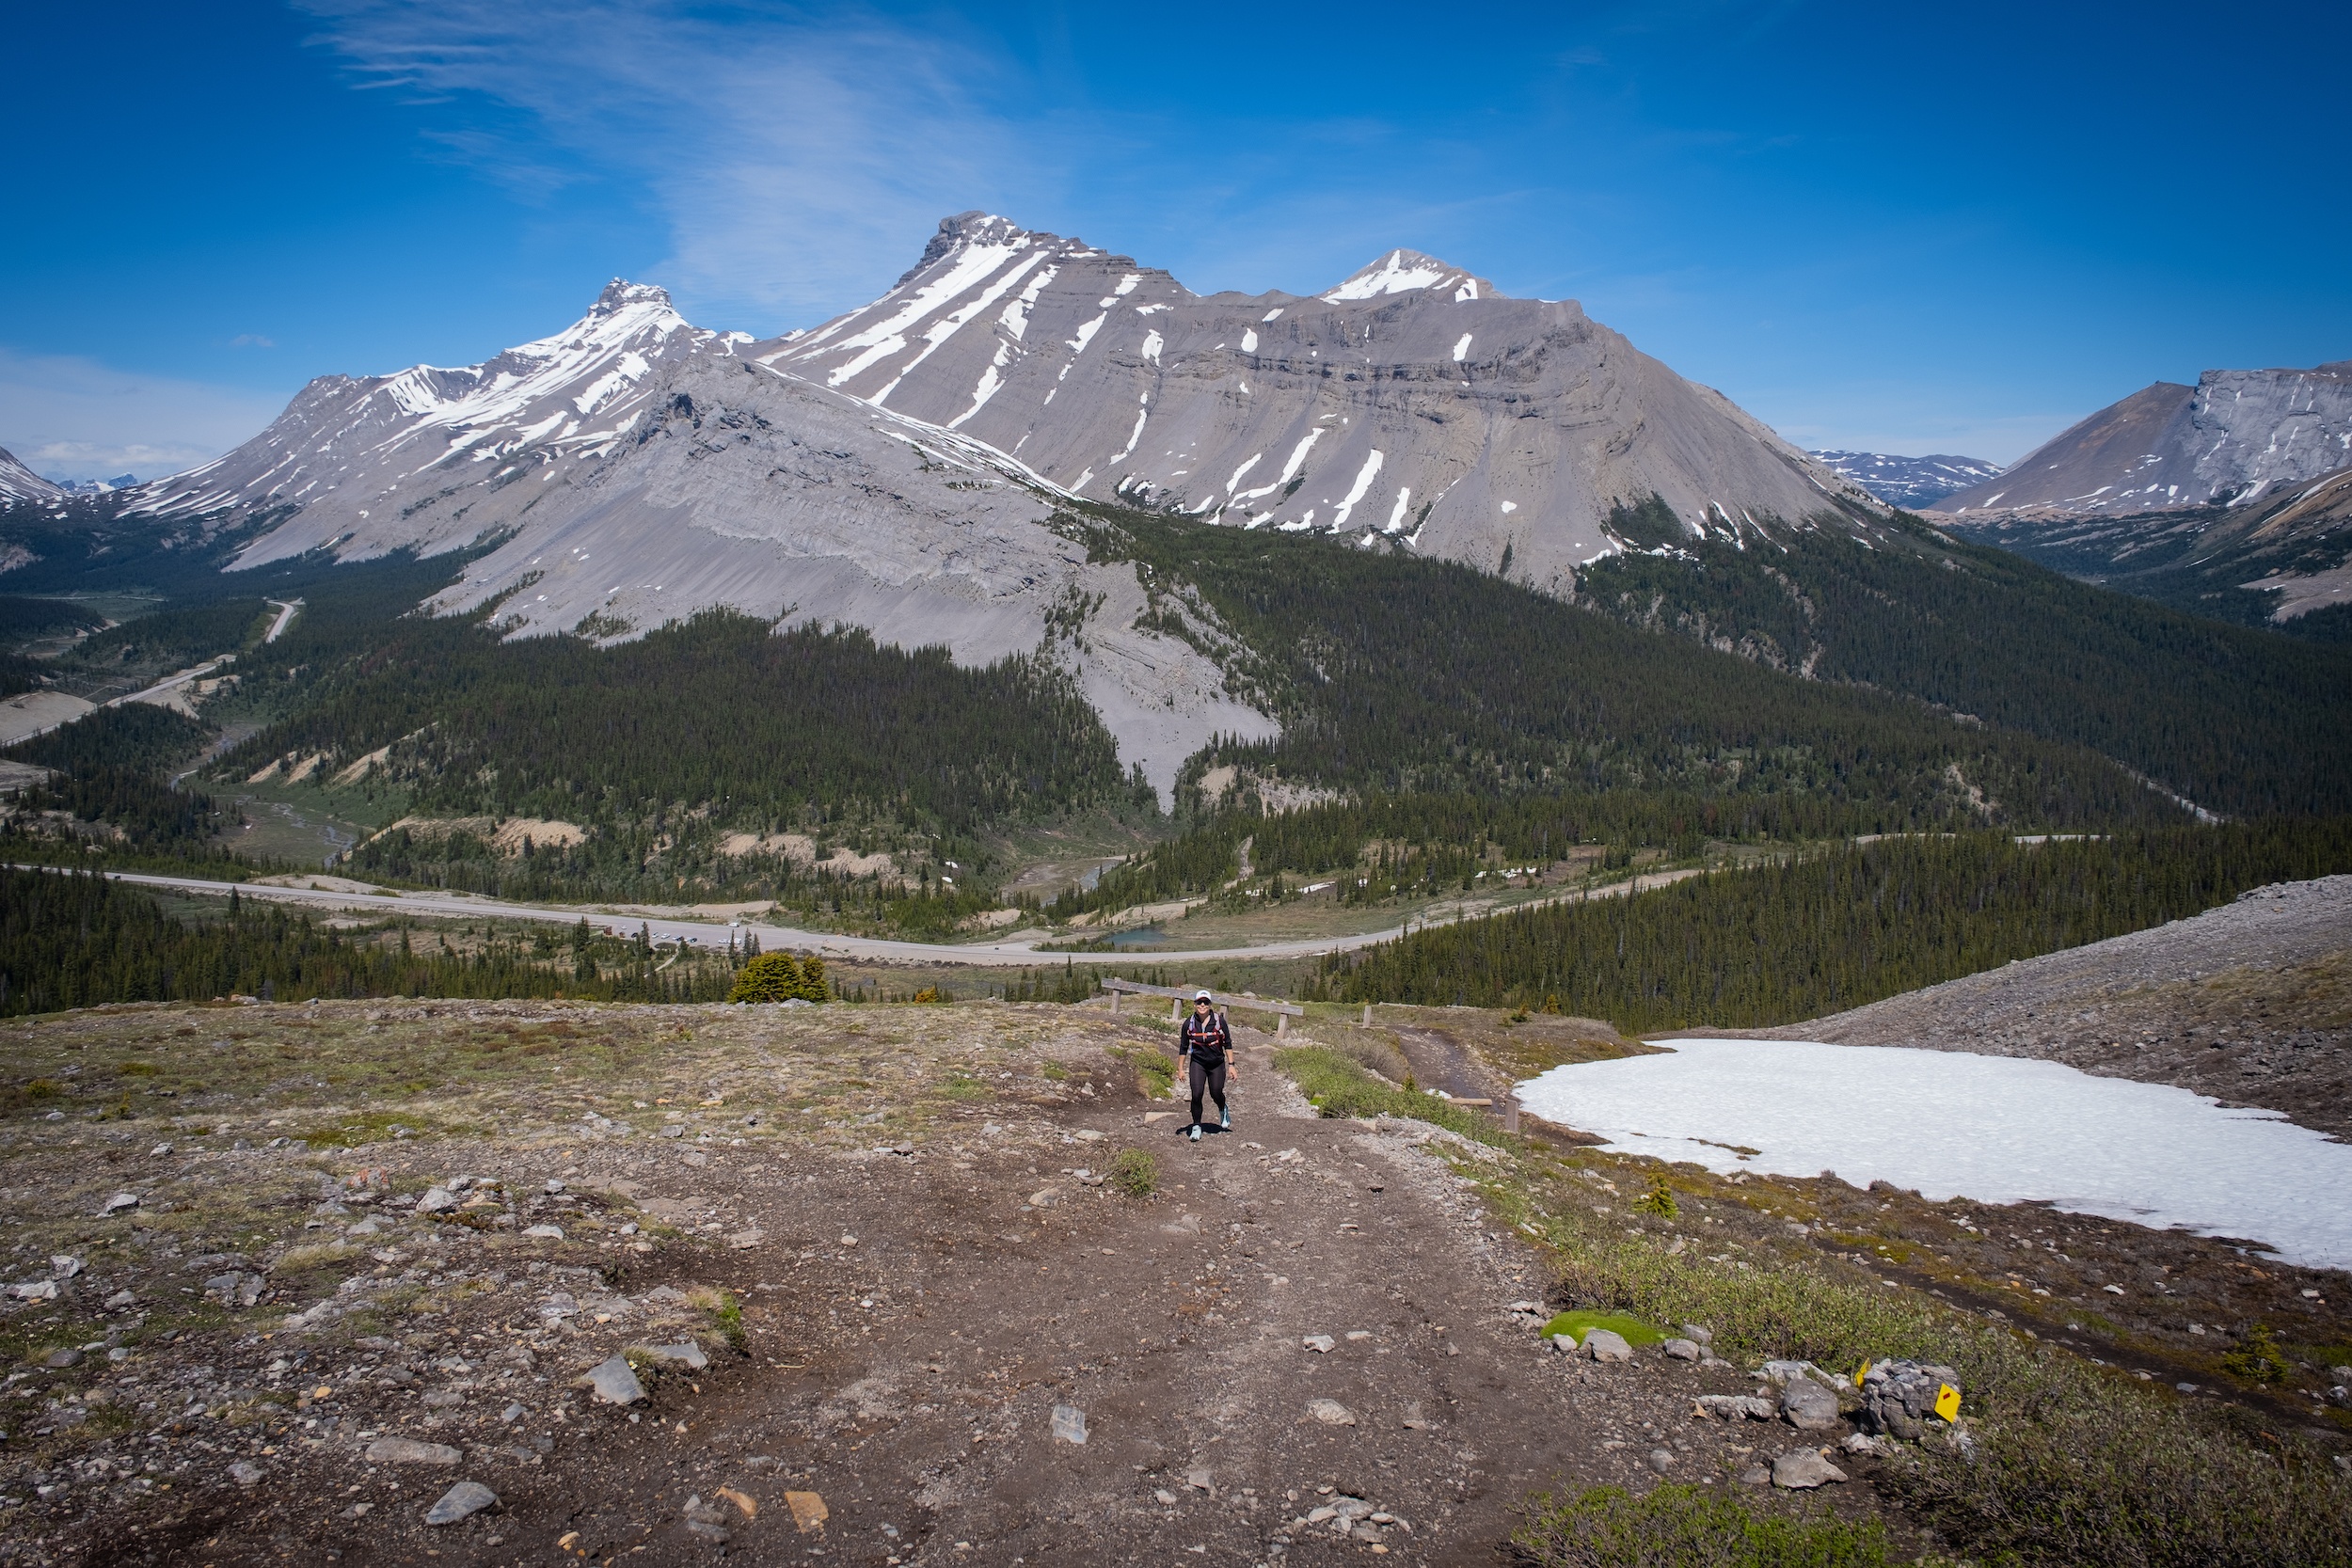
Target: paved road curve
pixel 826 943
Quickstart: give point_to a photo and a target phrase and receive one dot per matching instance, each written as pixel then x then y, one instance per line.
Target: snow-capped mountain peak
pixel 20 484
pixel 571 394
pixel 1401 271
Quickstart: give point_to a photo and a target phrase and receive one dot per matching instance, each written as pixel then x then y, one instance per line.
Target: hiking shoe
pixel 1225 1121
pixel 1193 1132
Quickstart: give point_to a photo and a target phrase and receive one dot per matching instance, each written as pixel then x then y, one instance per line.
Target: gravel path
pixel 2251 1004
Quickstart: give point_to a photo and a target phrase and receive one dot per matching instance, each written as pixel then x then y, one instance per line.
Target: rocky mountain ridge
pixel 2278 560
pixel 20 484
pixel 899 468
pixel 2234 438
pixel 1411 403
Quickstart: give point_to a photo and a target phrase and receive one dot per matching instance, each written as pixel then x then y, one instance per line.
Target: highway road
pixel 1004 955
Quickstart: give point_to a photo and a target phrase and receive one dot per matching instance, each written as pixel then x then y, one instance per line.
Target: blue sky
pixel 1897 228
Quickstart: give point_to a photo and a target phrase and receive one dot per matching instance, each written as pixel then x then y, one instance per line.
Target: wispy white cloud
pixel 797 161
pixel 65 416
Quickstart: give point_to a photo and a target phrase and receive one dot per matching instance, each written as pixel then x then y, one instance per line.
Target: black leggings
pixel 1210 1078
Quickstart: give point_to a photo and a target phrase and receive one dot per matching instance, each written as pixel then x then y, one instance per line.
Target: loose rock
pixel 1898 1398
pixel 1603 1345
pixel 1682 1349
pixel 407 1450
pixel 707 1519
pixel 118 1203
pixel 1803 1469
pixel 1809 1407
pixel 1661 1460
pixel 688 1354
pixel 1070 1424
pixel 1321 1344
pixel 614 1381
pixel 1332 1413
pixel 1733 1407
pixel 461 1501
pixel 244 1474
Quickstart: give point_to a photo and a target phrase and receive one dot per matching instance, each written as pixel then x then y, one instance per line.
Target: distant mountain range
pixel 1909 482
pixel 2285 560
pixel 2235 438
pixel 971 462
pixel 2228 497
pixel 899 468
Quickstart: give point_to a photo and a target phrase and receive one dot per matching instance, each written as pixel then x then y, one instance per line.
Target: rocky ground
pixel 2251 1004
pixel 292 1283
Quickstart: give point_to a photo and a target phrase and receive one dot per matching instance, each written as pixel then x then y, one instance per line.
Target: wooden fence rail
pixel 1283 1011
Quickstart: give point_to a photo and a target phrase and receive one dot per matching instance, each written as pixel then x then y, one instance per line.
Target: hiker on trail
pixel 1208 1050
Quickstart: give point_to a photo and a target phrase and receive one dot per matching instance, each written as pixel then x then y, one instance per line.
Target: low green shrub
pixel 1688 1527
pixel 2257 1358
pixel 1337 1086
pixel 1134 1173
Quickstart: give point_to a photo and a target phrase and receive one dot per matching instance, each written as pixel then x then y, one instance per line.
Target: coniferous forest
pixel 1835 930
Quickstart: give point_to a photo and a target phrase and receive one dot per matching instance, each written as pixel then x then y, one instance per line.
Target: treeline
pixel 2242 720
pixel 176 638
pixel 77 941
pixel 1398 675
pixel 1433 839
pixel 721 713
pixel 110 767
pixel 1778 944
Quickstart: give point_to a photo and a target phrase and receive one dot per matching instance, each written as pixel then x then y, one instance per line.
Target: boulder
pixel 1803 1469
pixel 1602 1344
pixel 1733 1407
pixel 1682 1349
pixel 1808 1407
pixel 1898 1398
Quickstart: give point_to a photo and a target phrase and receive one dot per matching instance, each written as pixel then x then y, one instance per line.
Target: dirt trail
pixel 1176 1325
pixel 1439 1062
pixel 912 1320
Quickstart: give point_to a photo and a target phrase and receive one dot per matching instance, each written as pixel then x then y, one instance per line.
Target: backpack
pixel 1210 1041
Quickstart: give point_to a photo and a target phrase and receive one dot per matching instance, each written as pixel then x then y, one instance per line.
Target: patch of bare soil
pixel 294 1274
pixel 2251 1004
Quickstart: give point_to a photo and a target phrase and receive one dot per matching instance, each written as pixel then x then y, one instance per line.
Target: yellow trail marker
pixel 1947 1401
pixel 1860 1373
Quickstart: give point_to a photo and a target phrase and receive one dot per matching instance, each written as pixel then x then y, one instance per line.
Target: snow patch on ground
pixel 1996 1129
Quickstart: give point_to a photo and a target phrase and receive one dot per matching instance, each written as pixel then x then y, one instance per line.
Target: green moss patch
pixel 1578 1324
